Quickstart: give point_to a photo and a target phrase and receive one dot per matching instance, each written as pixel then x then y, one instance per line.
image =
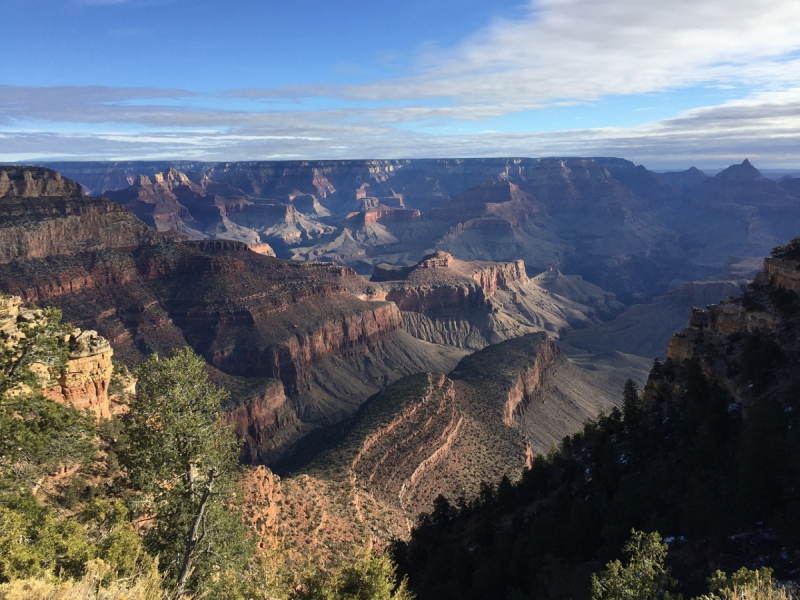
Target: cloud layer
pixel 563 52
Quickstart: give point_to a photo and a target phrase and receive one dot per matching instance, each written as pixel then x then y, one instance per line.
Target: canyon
pixel 430 434
pixel 620 226
pixel 393 330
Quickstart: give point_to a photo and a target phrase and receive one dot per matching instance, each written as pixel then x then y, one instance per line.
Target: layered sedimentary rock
pixel 471 304
pixel 617 224
pixel 646 329
pixel 265 421
pixel 432 434
pixel 251 316
pixel 741 341
pixel 84 381
pixel 44 215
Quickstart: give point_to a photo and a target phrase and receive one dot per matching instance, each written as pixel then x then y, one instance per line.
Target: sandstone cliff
pixel 741 342
pixel 252 316
pixel 85 379
pixel 616 224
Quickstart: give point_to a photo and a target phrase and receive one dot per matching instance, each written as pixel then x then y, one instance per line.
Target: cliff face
pixel 472 304
pixel 43 214
pixel 618 225
pixel 251 316
pixel 740 341
pixel 431 434
pixel 782 273
pixel 266 422
pixel 36 182
pixel 84 381
pixel 529 384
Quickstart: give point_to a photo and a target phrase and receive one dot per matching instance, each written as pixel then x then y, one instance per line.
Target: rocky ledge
pixel 85 379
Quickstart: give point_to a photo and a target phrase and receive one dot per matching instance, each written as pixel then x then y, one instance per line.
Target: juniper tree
pixel 183 456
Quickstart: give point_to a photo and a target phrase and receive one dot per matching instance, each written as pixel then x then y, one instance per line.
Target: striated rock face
pixel 57 219
pixel 472 304
pixel 84 381
pixel 251 316
pixel 731 339
pixel 36 182
pixel 614 223
pixel 201 209
pixel 265 422
pixel 431 434
pixel 530 384
pixel 783 273
pixel 533 388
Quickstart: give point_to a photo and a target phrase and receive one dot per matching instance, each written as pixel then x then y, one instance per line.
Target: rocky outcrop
pixel 472 304
pixel 266 422
pixel 84 381
pixel 499 199
pixel 204 209
pixel 500 276
pixel 741 184
pixel 382 214
pixel 251 316
pixel 783 273
pixel 731 339
pixel 33 182
pixel 530 384
pixel 57 219
pixel 431 434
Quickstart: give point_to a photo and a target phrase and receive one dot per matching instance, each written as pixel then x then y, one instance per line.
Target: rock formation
pixel 44 215
pixel 472 304
pixel 432 434
pixel 741 342
pixel 618 225
pixel 85 379
pixel 251 316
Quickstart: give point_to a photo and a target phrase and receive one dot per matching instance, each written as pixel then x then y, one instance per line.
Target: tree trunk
pixel 194 537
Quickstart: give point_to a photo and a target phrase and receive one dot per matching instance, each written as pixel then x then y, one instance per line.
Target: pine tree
pixel 183 457
pixel 644 577
pixel 631 402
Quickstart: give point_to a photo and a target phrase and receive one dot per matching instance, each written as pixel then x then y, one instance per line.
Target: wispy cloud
pixel 560 53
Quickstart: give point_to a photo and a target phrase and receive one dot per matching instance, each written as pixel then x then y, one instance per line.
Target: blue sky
pixel 669 84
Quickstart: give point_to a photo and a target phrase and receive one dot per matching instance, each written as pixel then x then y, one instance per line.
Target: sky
pixel 665 83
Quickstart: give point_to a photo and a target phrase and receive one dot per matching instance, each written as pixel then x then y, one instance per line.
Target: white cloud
pixel 584 49
pixel 562 52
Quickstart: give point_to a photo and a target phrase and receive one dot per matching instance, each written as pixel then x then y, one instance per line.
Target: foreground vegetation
pixel 723 487
pixel 147 505
pixel 160 517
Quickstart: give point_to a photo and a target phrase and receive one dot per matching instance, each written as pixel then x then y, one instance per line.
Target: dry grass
pixel 144 585
pixel 761 590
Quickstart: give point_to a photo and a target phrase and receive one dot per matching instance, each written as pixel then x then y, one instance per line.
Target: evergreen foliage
pixel 688 465
pixel 644 577
pixel 36 433
pixel 790 251
pixel 368 577
pixel 183 457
